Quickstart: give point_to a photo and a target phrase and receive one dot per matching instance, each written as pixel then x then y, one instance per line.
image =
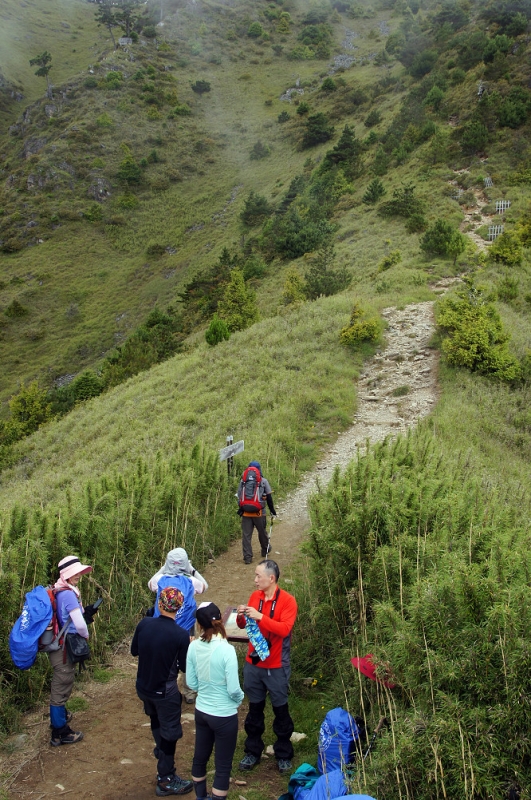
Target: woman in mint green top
pixel 212 671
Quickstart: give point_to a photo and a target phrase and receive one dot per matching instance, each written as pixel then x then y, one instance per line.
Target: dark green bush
pixel 328 85
pixel 374 118
pixel 404 203
pixel 15 309
pixel 321 279
pixel 473 137
pixel 318 130
pixel 255 210
pixel 217 331
pixel 374 192
pixel 283 117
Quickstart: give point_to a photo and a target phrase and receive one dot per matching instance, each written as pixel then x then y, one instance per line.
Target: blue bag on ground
pixel 307 784
pixel 301 782
pixel 357 797
pixel 24 637
pixel 329 786
pixel 337 741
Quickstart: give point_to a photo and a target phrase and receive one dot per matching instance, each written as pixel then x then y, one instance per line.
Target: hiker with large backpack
pixel 72 617
pixel 254 492
pixel 178 573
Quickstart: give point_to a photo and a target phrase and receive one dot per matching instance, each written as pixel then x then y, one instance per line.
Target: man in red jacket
pixel 275 612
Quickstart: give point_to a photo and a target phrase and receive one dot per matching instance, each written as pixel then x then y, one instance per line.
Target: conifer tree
pixel 238 306
pixel 44 62
pixel 347 153
pixel 375 190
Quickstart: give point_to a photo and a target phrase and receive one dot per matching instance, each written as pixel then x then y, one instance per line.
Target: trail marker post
pixel 227 453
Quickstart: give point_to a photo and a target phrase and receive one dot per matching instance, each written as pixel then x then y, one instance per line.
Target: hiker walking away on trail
pixel 178 572
pixel 161 647
pixel 69 609
pixel 254 492
pixel 275 611
pixel 212 669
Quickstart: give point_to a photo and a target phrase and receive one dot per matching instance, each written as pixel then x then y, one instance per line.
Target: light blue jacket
pixel 212 672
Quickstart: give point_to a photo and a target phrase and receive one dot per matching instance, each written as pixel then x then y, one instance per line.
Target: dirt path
pixel 396 389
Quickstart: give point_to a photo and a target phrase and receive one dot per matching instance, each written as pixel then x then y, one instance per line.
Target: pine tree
pixel 321 279
pixel 375 190
pixel 347 153
pixel 238 306
pixel 105 16
pixel 44 62
pixel 380 164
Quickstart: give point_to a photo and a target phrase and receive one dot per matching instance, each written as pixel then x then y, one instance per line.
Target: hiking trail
pixel 396 389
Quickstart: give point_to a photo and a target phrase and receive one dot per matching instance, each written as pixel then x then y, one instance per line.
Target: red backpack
pixel 250 491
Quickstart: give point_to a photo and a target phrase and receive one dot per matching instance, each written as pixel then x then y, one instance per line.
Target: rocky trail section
pixel 396 389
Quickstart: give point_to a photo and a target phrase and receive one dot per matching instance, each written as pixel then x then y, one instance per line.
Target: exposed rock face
pixel 100 189
pixel 32 146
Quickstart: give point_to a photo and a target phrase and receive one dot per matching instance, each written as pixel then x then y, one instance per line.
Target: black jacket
pixel 161 647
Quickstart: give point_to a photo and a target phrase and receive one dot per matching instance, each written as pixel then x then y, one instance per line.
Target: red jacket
pixel 277 630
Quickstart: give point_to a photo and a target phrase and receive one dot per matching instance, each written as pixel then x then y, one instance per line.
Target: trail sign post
pixel 227 453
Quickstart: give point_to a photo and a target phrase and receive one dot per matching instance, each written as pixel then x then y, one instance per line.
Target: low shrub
pixel 217 331
pixel 390 261
pixel 360 329
pixel 474 337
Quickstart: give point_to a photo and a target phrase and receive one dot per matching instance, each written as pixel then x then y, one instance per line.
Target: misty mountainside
pixel 130 180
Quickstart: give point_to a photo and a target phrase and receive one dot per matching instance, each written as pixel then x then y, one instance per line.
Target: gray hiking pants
pixel 248 523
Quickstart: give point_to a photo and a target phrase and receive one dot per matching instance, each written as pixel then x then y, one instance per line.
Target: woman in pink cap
pixel 69 609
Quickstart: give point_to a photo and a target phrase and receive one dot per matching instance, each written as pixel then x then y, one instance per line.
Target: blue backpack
pixel 36 616
pixel 337 741
pixel 185 616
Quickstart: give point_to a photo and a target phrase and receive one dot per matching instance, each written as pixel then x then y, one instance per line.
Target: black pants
pixel 165 717
pixel 283 727
pixel 221 732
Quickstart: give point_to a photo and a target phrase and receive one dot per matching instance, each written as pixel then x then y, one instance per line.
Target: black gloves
pixel 89 612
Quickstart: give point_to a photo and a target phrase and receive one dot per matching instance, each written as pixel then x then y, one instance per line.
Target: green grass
pixel 76 704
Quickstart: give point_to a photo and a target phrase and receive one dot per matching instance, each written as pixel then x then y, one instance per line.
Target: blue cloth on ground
pixel 328 786
pixel 357 797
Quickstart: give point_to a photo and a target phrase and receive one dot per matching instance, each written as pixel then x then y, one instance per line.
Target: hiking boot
pixel 264 553
pixel 247 561
pixel 173 785
pixel 248 762
pixel 71 737
pixel 284 766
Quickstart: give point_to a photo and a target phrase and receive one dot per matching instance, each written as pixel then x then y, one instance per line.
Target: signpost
pixel 227 453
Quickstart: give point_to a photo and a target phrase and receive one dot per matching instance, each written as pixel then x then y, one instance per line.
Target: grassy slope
pixel 88 285
pixel 105 275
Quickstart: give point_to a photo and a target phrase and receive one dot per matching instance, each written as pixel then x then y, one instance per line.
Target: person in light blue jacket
pixel 212 671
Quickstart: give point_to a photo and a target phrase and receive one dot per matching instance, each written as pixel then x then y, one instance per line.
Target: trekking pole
pixel 382 722
pixel 269 534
